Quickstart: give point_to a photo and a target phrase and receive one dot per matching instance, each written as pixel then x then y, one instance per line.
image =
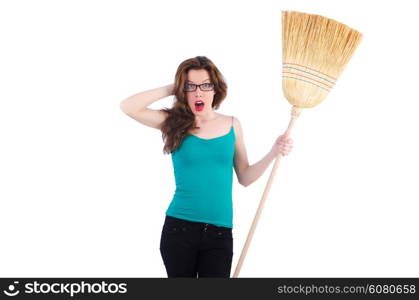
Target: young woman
pixel 196 238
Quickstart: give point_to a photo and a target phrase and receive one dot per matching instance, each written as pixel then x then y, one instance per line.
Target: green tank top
pixel 203 170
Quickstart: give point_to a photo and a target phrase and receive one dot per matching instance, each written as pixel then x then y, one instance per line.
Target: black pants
pixel 195 249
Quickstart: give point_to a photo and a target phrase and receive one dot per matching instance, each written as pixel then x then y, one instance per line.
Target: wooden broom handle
pixel 295 112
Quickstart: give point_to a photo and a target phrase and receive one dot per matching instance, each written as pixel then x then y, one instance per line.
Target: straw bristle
pixel 316 50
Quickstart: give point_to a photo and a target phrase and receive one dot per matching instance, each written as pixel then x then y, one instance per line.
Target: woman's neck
pixel 208 118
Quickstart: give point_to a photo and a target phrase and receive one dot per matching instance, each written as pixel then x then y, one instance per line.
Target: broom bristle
pixel 315 51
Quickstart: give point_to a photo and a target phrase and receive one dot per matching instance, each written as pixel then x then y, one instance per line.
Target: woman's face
pixel 204 94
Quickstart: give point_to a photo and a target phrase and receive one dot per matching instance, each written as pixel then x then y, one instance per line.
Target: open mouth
pixel 199 105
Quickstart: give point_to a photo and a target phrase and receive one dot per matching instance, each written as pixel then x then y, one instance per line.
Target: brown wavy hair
pixel 180 119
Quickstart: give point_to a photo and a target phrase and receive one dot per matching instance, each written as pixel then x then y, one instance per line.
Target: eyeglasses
pixel 190 87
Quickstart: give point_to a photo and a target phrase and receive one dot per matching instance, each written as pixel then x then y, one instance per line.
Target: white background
pixel 84 188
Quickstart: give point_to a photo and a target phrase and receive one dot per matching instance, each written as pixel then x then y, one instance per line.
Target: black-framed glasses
pixel 190 87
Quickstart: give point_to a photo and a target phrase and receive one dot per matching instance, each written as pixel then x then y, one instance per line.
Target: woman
pixel 196 238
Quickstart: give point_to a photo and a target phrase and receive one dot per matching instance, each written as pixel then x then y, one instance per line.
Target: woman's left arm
pixel 247 174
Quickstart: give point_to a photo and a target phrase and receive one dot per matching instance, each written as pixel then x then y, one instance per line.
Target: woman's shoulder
pixel 228 118
pixel 233 121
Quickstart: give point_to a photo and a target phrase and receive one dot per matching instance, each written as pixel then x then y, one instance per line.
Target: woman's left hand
pixel 282 146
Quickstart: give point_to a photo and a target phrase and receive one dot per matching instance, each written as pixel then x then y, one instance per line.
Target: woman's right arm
pixel 136 105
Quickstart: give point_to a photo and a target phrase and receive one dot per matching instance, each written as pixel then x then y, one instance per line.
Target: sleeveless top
pixel 203 170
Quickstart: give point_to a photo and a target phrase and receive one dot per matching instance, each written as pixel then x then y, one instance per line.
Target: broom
pixel 315 51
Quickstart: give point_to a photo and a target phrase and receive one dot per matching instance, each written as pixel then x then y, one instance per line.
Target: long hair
pixel 180 118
